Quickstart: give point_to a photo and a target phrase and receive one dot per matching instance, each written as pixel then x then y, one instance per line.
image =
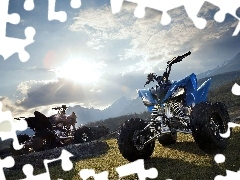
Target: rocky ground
pixel 236 120
pixel 80 151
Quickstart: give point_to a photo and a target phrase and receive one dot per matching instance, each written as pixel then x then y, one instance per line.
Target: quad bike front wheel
pixel 131 139
pixel 208 121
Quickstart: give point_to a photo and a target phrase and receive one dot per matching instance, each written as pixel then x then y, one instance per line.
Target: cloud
pixel 40 93
pixel 9 105
pixel 148 39
pixel 63 91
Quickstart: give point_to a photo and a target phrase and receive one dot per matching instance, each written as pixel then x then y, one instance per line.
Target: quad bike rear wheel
pixel 131 139
pixel 22 139
pixel 44 140
pixel 168 139
pixel 82 134
pixel 208 121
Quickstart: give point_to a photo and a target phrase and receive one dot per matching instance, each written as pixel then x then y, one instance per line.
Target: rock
pixel 236 120
pixel 80 151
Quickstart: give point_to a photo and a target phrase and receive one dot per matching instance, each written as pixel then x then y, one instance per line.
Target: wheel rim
pixel 84 137
pixel 217 126
pixel 138 139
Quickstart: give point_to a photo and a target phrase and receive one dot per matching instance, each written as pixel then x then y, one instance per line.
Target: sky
pixel 95 57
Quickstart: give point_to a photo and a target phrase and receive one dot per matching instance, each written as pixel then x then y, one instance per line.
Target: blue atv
pixel 176 107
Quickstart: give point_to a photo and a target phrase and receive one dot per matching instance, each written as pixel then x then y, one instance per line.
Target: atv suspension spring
pixel 154 112
pixel 177 109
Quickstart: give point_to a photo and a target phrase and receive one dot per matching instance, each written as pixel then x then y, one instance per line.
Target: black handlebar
pixel 64 107
pixel 164 78
pixel 178 59
pixel 19 118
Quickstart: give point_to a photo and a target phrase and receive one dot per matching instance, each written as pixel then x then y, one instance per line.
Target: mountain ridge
pixel 227 66
pixel 121 106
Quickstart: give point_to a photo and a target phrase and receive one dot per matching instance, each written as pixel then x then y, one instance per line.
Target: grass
pixel 183 160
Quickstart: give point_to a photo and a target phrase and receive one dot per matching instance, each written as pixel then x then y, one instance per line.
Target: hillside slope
pixel 221 79
pixel 224 94
pixel 228 66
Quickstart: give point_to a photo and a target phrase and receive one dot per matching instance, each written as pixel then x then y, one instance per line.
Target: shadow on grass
pixel 182 169
pixel 190 147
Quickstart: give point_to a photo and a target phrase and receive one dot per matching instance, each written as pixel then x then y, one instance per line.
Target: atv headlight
pixel 178 92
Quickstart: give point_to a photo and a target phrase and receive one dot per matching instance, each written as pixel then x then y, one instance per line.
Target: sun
pixel 80 71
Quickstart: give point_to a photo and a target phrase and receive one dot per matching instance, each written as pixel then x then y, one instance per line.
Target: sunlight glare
pixel 80 71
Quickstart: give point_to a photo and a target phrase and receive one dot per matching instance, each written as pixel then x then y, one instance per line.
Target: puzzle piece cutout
pixel 230 125
pixel 7 162
pixel 52 14
pixel 164 6
pixel 236 89
pixel 9 45
pixel 66 164
pixel 29 5
pixel 230 175
pixel 87 173
pixel 15 126
pixel 220 158
pixel 137 167
pixel 60 15
pixel 192 8
pixel 227 7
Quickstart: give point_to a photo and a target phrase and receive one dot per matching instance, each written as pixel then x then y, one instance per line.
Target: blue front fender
pixel 146 94
pixel 193 94
pixel 190 85
pixel 202 91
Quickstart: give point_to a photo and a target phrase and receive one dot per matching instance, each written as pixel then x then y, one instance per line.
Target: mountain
pixel 120 107
pixel 221 79
pixel 28 131
pixel 117 107
pixel 85 115
pixel 135 106
pixel 226 66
